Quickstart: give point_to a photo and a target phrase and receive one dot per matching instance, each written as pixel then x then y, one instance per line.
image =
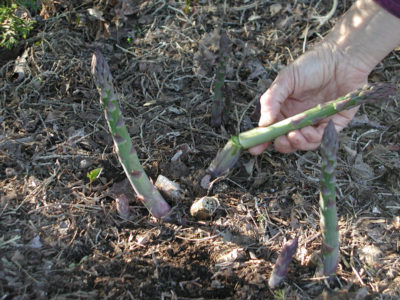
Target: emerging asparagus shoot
pixel 219 103
pixel 221 164
pixel 327 198
pixel 127 155
pixel 282 263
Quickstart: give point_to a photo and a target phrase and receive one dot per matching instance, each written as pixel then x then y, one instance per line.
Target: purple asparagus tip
pixel 161 210
pixel 282 263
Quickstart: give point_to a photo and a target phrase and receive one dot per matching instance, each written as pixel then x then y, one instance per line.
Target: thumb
pixel 273 98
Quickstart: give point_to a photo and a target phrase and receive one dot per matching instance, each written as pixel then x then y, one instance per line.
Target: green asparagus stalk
pixel 327 201
pixel 218 103
pixel 145 190
pixel 226 158
pixel 282 263
pixel 369 93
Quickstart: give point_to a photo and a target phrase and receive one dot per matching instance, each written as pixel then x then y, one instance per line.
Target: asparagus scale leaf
pixel 127 155
pixel 327 199
pixel 369 93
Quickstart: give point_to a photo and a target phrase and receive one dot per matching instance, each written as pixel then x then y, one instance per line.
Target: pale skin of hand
pixel 336 66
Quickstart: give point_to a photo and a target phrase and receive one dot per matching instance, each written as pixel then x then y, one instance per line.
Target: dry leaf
pixel 256 69
pixel 371 255
pixel 275 9
pixel 231 256
pixel 360 171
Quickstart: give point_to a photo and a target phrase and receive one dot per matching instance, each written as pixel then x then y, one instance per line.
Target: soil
pixel 61 236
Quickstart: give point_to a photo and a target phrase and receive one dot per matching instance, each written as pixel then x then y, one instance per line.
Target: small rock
pixel 84 163
pixel 168 187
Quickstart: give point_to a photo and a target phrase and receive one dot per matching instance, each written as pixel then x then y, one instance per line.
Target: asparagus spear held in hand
pixel 229 155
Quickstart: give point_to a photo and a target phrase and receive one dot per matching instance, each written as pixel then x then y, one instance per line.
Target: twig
pixel 323 19
pixel 10 241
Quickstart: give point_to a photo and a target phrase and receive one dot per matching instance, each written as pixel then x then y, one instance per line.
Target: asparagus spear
pixel 228 156
pixel 282 263
pixel 327 201
pixel 145 190
pixel 219 103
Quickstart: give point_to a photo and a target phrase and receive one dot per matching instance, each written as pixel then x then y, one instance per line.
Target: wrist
pixel 366 34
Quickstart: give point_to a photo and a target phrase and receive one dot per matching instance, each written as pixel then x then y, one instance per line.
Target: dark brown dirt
pixel 62 238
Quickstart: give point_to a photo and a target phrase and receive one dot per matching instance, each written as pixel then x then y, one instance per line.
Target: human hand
pixel 338 65
pixel 318 76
